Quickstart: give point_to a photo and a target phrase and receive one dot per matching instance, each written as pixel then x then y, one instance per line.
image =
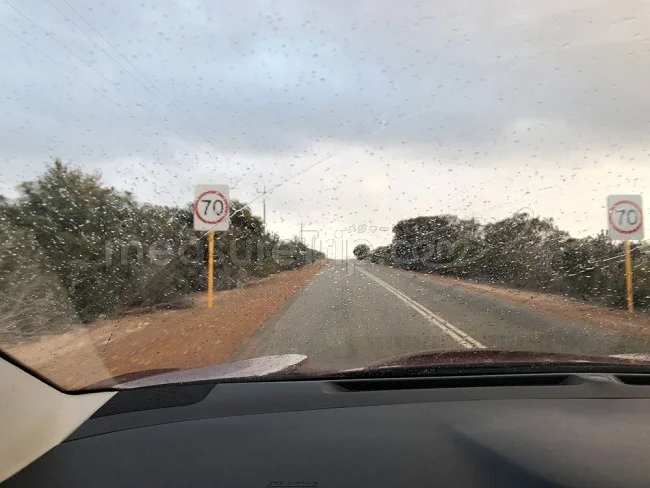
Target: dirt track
pixel 187 338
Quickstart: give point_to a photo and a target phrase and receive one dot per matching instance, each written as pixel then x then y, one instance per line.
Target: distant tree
pixel 524 251
pixel 438 242
pixel 362 251
pixel 381 255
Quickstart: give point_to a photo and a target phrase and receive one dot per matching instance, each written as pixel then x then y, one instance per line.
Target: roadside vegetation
pixel 520 251
pixel 73 250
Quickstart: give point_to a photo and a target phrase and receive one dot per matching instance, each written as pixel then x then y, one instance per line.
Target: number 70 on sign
pixel 625 217
pixel 211 208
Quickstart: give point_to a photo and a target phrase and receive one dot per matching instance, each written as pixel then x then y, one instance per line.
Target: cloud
pixel 415 96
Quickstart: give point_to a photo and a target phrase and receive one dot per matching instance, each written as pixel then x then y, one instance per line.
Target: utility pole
pixel 263 192
pixel 300 231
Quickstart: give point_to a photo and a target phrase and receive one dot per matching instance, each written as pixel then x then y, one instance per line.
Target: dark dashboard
pixel 502 431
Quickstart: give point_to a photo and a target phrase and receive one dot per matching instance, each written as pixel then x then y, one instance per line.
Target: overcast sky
pixel 409 108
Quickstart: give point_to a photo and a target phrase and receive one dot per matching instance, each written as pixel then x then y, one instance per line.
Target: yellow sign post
pixel 628 277
pixel 625 219
pixel 211 213
pixel 210 268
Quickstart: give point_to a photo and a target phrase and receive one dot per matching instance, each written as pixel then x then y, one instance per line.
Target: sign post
pixel 210 267
pixel 625 218
pixel 628 277
pixel 211 213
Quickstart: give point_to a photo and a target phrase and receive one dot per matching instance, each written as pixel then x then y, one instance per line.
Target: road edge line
pixel 452 331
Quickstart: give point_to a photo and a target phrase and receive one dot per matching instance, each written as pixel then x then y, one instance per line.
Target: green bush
pixel 74 250
pixel 521 251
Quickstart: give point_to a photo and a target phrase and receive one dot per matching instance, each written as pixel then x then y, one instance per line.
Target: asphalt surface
pixel 355 313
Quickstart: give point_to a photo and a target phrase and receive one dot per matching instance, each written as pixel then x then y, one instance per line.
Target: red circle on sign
pixel 226 211
pixel 638 209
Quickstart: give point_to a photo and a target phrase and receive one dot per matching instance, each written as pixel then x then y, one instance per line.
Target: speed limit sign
pixel 211 207
pixel 625 217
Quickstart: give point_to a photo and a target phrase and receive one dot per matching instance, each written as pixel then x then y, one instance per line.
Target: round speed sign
pixel 626 217
pixel 211 207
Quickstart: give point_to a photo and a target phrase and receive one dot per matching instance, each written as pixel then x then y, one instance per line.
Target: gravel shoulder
pixel 636 324
pixel 166 339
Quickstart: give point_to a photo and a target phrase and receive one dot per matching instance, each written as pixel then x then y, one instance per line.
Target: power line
pixel 263 192
pixel 95 42
pixel 53 61
pixel 170 103
pixel 109 43
pixel 136 102
pixel 377 131
pixel 276 186
pixel 60 66
pixel 611 258
pixel 313 165
pixel 72 53
pixel 101 36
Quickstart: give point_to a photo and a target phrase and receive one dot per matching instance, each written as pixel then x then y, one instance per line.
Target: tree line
pixel 73 250
pixel 522 251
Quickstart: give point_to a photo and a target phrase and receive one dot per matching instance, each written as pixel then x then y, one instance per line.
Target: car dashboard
pixel 576 429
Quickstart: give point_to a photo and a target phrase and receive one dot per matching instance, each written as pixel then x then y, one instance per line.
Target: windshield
pixel 330 185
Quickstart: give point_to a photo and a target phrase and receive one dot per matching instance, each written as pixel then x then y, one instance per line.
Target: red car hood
pixel 486 356
pixel 297 365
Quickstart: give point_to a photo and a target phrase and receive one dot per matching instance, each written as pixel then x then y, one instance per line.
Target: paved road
pixel 353 313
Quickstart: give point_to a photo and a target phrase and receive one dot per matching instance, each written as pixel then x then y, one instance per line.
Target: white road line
pixel 452 331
